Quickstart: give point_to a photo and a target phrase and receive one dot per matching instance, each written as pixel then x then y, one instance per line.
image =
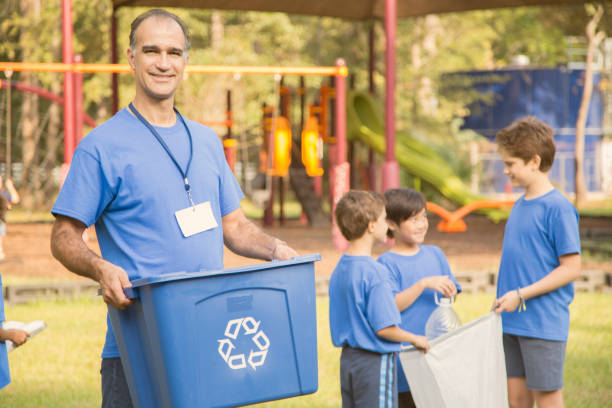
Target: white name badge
pixel 196 219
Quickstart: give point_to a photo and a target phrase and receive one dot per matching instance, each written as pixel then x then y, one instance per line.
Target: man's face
pixel 159 57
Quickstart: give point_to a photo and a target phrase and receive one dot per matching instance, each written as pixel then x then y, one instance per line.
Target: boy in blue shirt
pixel 540 260
pixel 415 270
pixel 363 318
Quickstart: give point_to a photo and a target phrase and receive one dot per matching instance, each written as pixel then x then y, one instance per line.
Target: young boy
pixel 540 259
pixel 16 336
pixel 363 318
pixel 416 270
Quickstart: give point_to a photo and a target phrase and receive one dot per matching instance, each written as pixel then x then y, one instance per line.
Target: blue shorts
pixel 368 379
pixel 539 361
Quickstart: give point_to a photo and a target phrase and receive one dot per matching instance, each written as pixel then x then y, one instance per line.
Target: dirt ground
pixel 478 249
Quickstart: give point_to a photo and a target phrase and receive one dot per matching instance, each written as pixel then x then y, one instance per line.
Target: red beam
pixel 23 87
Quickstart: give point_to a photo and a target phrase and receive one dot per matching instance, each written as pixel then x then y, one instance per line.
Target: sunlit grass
pixel 60 367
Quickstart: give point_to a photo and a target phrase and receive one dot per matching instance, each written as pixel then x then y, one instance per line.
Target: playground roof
pixel 349 9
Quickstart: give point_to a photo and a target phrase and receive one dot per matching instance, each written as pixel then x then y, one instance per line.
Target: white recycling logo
pixel 249 327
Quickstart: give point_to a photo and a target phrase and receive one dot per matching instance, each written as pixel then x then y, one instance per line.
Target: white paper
pixel 193 220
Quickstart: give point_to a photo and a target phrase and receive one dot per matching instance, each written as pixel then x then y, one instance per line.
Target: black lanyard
pixel 167 149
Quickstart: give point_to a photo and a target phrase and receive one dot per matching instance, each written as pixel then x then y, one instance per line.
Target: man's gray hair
pixel 158 13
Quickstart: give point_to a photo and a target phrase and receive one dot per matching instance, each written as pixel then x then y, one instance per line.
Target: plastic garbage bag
pixel 463 369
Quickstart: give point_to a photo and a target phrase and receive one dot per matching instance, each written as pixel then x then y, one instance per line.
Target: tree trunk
pixel 216 30
pixel 594 39
pixel 29 110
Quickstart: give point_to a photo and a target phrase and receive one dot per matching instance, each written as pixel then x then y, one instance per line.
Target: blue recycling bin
pixel 220 338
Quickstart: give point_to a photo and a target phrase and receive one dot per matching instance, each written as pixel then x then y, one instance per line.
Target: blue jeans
pixel 115 391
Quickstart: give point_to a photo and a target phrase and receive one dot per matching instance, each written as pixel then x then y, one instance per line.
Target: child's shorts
pixel 539 361
pixel 2 228
pixel 368 379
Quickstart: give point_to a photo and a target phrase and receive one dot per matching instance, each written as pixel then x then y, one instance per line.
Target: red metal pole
pixel 68 83
pixel 114 60
pixel 340 177
pixel 78 102
pixel 390 167
pixel 340 105
pixel 371 169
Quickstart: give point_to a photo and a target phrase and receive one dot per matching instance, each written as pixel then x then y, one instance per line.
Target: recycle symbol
pixel 250 327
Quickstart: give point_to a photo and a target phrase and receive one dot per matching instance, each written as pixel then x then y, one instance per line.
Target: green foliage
pixel 427 48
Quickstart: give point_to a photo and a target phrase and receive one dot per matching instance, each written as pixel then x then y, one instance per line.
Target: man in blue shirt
pixel 156 186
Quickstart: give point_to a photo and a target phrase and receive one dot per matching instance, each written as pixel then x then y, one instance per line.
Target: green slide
pixel 364 118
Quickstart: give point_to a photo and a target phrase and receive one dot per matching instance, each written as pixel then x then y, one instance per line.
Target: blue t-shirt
pixel 537 233
pixel 405 271
pixel 360 304
pixel 123 180
pixel 5 375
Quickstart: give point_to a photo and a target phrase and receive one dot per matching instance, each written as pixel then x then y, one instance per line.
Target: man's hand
pixel 282 251
pixel 442 284
pixel 112 280
pixel 507 303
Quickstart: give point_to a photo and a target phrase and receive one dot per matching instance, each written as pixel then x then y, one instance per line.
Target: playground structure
pixel 364 125
pixel 339 181
pixel 379 135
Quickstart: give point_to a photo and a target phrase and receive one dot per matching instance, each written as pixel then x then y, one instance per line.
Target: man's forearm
pixel 67 246
pixel 246 239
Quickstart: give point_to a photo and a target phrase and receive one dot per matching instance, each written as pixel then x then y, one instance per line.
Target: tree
pixel 594 38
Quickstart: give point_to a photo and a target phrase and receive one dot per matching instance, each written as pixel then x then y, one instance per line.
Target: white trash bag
pixel 463 369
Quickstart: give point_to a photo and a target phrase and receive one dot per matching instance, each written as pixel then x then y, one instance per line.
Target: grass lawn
pixel 59 367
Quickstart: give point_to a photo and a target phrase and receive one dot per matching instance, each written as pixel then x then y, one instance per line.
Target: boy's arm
pixel 397 335
pixel 567 271
pixel 16 336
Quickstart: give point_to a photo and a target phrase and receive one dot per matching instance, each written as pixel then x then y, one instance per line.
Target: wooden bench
pixel 474 281
pixel 322 285
pixel 15 294
pixel 591 281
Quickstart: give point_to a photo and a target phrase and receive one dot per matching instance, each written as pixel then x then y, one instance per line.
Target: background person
pixel 8 197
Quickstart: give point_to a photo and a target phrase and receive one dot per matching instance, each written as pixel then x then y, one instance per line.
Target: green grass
pixel 60 367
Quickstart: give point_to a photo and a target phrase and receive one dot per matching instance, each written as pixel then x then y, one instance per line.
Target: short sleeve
pixel 393 275
pixel 445 268
pixel 565 232
pixel 85 192
pixel 230 192
pixel 381 310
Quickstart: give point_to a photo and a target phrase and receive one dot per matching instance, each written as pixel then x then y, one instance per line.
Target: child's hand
pixel 9 183
pixel 507 303
pixel 17 336
pixel 420 343
pixel 442 284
